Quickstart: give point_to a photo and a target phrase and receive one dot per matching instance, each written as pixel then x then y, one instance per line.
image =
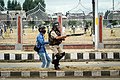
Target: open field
pixel 29 36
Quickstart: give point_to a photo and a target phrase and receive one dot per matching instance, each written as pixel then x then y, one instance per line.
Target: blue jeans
pixel 45 60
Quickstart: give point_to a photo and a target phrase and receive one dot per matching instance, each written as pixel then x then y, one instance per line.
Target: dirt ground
pixel 66 68
pixel 29 36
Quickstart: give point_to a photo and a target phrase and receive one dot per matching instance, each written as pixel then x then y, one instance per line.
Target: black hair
pixel 41 29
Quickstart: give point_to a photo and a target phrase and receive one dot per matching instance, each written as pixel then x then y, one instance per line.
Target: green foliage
pixel 30 4
pixel 18 6
pixel 114 22
pixel 31 24
pixel 2 3
pixel 14 5
pixel 106 14
pixel 105 22
pixel 89 23
pixel 9 5
pixel 72 22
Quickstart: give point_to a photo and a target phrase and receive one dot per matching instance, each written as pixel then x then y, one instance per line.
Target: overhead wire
pixel 79 10
pixel 111 8
pixel 74 7
pixel 45 8
pixel 39 5
pixel 84 6
pixel 79 4
pixel 117 5
pixel 2 7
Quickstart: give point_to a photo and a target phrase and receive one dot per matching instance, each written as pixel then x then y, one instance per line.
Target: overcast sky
pixel 63 6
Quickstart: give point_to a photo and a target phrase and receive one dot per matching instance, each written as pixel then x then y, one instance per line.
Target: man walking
pixel 42 50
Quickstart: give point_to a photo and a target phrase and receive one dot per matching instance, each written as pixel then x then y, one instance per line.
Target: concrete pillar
pixel 100 28
pixel 18 46
pixel 60 21
pixel 96 26
pixel 101 45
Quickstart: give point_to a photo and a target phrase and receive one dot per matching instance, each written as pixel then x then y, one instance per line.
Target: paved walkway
pixel 63 64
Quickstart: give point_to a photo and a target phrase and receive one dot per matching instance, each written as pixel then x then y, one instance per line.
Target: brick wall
pixel 82 46
pixel 79 46
pixel 7 47
pixel 28 47
pixel 113 46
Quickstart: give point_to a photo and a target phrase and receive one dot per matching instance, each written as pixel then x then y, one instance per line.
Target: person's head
pixel 55 26
pixel 41 29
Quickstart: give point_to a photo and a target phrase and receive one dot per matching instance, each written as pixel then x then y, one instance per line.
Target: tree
pixel 36 2
pixel 18 6
pixel 106 14
pixel 2 3
pixel 30 4
pixel 9 5
pixel 14 5
pixel 114 22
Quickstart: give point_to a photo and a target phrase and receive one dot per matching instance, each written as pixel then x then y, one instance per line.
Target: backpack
pixel 36 48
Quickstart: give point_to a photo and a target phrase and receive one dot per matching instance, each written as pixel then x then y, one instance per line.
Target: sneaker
pixel 63 54
pixel 57 68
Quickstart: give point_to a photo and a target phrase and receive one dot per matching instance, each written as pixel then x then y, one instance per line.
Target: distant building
pixel 75 16
pixel 55 16
pixel 114 15
pixel 15 12
pixel 3 15
pixel 89 15
pixel 11 15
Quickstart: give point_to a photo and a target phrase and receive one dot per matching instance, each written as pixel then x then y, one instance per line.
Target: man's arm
pixel 56 36
pixel 60 37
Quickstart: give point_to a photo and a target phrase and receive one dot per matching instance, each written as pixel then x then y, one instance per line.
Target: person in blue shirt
pixel 42 51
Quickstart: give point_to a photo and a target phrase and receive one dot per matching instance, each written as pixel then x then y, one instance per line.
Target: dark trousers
pixel 56 60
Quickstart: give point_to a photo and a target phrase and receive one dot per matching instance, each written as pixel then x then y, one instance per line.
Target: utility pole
pixel 113 5
pixel 93 32
pixel 95 24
